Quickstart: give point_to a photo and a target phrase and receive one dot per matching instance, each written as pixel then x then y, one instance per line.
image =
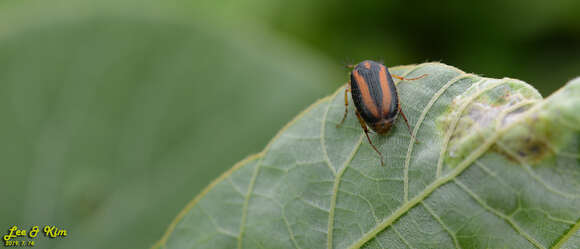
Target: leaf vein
pixel 239 191
pixel 494 175
pixel 457 117
pixel 366 201
pixel 445 227
pixel 376 179
pixel 292 238
pixel 247 201
pixel 313 205
pixel 322 138
pixel 538 179
pixel 402 238
pixel 335 191
pixel 499 214
pixel 552 218
pixel 217 227
pixel 567 236
pixel 427 108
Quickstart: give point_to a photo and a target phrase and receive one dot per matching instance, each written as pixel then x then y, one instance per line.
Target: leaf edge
pixel 236 166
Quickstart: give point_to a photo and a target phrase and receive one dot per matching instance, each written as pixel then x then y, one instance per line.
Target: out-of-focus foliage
pixel 114 112
pixel 112 119
pixel 495 38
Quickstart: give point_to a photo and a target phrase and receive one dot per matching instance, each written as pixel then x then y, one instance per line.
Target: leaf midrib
pixel 418 125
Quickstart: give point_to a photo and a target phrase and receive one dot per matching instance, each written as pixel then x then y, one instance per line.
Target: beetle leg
pixel 407 123
pixel 403 78
pixel 366 130
pixel 346 90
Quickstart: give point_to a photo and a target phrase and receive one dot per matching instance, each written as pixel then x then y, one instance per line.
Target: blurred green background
pixel 115 114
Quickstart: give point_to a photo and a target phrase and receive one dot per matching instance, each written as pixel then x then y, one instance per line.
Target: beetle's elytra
pixel 375 97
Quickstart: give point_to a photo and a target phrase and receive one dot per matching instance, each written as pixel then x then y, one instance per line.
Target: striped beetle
pixel 375 97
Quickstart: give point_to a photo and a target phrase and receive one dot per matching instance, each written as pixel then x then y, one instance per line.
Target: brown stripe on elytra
pixel 386 106
pixel 366 93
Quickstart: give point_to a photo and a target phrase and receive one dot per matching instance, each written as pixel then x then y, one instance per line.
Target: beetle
pixel 375 97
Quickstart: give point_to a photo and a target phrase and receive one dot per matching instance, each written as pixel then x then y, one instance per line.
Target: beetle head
pixel 383 126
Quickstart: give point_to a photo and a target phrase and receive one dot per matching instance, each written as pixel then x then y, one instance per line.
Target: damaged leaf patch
pixel 481 111
pixel 544 131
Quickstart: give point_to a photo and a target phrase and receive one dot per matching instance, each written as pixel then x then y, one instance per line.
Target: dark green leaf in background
pixel 112 116
pixel 497 166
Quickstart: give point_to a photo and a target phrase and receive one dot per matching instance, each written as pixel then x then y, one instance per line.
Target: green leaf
pixel 112 112
pixel 495 166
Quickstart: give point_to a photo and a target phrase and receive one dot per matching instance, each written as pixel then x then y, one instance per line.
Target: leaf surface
pixel 494 165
